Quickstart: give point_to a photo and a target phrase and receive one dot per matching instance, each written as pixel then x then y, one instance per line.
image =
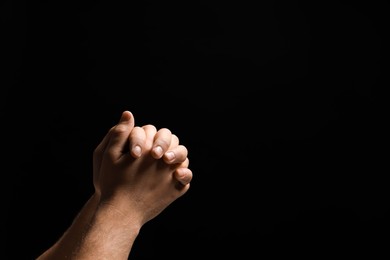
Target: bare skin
pixel 135 178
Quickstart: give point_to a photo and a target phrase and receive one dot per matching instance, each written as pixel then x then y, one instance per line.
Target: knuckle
pixel 120 129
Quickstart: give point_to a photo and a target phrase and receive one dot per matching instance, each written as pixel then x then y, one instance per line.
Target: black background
pixel 281 105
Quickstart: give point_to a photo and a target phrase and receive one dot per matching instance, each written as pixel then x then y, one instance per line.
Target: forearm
pixel 110 235
pixel 69 241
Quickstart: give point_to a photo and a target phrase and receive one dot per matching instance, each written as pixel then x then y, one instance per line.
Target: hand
pixel 133 169
pixel 165 145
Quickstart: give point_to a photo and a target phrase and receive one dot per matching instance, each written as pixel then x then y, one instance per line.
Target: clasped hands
pixel 140 169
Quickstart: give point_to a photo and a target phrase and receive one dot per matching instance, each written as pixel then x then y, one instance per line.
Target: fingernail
pixel 137 151
pixel 170 155
pixel 158 151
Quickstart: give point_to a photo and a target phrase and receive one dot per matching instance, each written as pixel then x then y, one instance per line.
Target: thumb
pixel 120 135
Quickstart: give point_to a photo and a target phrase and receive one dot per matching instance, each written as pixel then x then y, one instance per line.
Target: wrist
pixel 121 209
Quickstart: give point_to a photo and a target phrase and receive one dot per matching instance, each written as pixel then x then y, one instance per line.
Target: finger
pixel 162 141
pixel 185 164
pixel 150 132
pixel 120 134
pixel 99 150
pixel 174 141
pixel 137 141
pixel 183 175
pixel 176 154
